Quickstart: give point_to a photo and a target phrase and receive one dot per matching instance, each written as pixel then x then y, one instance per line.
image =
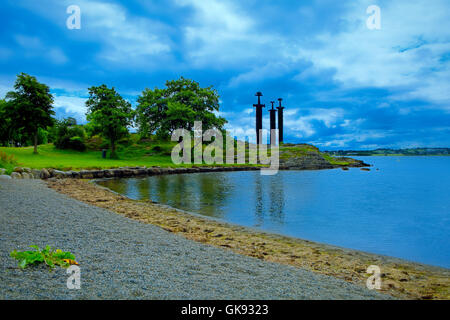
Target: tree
pixel 5 123
pixel 68 135
pixel 30 106
pixel 177 106
pixel 110 114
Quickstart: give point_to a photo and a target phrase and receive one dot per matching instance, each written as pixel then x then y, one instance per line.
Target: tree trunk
pixel 35 143
pixel 113 150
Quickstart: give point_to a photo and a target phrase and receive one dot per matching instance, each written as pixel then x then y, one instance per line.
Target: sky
pixel 344 85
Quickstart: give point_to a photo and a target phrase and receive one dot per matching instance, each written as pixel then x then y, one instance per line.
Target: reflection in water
pixel 269 199
pixel 210 194
pixel 353 209
pixel 259 210
pixel 276 196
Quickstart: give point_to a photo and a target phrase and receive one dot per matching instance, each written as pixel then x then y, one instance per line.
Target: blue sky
pixel 344 86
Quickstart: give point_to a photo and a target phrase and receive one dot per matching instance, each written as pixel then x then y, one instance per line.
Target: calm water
pixel 402 210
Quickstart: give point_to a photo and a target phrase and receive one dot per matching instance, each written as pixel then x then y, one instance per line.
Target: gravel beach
pixel 121 258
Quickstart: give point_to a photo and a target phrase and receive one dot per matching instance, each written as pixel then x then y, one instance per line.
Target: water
pixel 402 210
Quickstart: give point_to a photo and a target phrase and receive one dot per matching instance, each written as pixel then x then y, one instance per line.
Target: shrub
pixel 7 161
pixel 70 136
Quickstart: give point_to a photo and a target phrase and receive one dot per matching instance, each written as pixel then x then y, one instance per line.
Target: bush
pixel 7 161
pixel 95 143
pixel 70 136
pixel 77 143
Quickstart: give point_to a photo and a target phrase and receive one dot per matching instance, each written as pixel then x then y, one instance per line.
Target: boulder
pixel 108 173
pixel 16 175
pixel 75 174
pixel 5 177
pixel 98 174
pixel 127 172
pixel 27 170
pixel 36 174
pixel 59 174
pixel 26 175
pixel 86 174
pixel 51 171
pixel 141 171
pixel 18 169
pixel 2 171
pixel 45 174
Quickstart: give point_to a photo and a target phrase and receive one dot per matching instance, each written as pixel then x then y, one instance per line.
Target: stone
pixel 86 174
pixel 141 171
pixel 16 175
pixel 36 174
pixel 27 170
pixel 2 171
pixel 26 175
pixel 5 177
pixel 99 174
pixel 108 173
pixel 51 171
pixel 45 174
pixel 127 173
pixel 75 174
pixel 59 174
pixel 18 169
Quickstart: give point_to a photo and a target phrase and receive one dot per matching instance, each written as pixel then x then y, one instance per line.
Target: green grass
pixel 50 157
pixel 288 151
pixel 131 153
pixel 334 161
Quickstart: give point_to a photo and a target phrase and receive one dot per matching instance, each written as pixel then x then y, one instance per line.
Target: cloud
pixel 71 105
pixel 124 36
pixel 33 47
pixel 220 34
pixel 405 52
pixel 343 86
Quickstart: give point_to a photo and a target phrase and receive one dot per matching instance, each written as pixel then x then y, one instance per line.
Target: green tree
pixel 30 106
pixel 5 123
pixel 178 105
pixel 110 114
pixel 69 135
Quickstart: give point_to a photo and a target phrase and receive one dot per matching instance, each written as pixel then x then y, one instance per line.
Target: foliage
pixel 47 255
pixel 69 135
pixel 109 113
pixel 182 102
pixel 30 107
pixel 5 123
pixel 7 161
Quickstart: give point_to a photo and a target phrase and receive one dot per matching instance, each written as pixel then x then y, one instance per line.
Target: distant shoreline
pixel 392 152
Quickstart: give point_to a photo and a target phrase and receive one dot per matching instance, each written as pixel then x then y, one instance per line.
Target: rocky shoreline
pixel 310 162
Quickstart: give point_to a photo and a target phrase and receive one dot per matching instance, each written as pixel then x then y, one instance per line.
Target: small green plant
pixel 48 256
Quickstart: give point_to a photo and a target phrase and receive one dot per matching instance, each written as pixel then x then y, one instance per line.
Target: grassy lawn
pixel 133 154
pixel 50 157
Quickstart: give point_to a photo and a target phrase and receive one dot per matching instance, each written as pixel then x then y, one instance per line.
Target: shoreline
pixel 400 278
pixel 124 259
